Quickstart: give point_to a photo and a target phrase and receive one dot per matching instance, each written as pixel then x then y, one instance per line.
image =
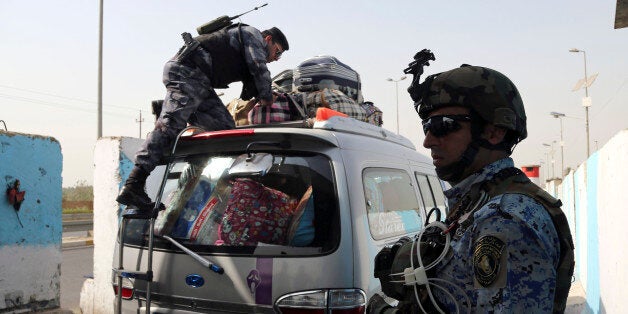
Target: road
pixel 78 262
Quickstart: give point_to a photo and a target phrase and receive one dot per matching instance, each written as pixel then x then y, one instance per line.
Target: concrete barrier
pixel 30 240
pixel 113 161
pixel 595 201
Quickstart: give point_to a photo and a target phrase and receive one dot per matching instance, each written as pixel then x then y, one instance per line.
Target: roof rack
pixel 339 124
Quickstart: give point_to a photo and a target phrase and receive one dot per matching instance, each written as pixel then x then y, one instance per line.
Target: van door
pixel 274 230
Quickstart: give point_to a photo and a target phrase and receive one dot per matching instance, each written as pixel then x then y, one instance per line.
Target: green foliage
pixel 78 199
pixel 79 192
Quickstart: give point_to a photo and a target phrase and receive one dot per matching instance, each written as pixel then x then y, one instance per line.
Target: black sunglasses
pixel 442 125
pixel 278 52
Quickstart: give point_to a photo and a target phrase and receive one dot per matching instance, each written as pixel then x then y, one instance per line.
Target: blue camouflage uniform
pixel 506 258
pixel 191 98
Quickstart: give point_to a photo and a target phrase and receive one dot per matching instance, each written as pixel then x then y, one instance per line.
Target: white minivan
pixel 279 218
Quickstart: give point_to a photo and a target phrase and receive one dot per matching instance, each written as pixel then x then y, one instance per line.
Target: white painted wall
pixel 113 161
pixel 612 217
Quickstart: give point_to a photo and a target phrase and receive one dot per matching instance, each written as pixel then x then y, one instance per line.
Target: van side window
pixel 439 196
pixel 426 193
pixel 432 194
pixel 391 202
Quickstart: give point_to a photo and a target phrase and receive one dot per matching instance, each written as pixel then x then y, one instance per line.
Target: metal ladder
pixel 131 213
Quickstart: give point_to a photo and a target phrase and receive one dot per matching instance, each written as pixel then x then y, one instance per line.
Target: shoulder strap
pixel 518 183
pixel 296 105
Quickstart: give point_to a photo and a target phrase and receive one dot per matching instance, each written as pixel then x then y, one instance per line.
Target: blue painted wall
pixel 36 161
pixel 30 239
pixel 593 268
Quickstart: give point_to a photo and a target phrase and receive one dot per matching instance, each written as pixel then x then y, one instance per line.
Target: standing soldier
pixel 511 249
pixel 232 54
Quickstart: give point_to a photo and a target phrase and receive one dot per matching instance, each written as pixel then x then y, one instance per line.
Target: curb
pixel 76 242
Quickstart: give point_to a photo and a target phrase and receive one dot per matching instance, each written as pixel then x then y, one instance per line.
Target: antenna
pixel 255 8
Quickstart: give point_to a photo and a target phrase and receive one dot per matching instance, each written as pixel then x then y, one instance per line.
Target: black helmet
pixel 322 72
pixel 487 92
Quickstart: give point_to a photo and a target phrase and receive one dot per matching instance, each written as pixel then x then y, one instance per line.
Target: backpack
pixel 374 114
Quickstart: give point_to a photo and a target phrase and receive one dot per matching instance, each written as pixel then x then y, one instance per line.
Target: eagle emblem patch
pixel 486 258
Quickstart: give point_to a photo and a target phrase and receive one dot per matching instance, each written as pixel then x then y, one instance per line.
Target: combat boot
pixel 133 194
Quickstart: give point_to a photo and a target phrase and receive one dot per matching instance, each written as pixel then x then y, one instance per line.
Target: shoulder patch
pixel 486 259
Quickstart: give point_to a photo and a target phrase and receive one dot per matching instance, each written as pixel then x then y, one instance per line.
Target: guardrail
pixel 77 222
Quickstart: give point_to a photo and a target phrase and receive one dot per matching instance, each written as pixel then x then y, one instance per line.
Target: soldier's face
pixel 447 143
pixel 274 50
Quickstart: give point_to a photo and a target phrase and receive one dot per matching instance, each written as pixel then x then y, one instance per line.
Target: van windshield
pixel 288 209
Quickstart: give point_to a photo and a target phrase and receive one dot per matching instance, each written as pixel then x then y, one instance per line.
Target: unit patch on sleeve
pixel 486 259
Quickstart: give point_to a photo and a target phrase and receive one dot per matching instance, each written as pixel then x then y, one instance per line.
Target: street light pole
pixel 552 155
pixel 397 96
pixel 100 31
pixel 560 116
pixel 585 103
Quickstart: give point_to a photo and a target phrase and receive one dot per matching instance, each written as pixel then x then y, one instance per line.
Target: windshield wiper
pixel 198 258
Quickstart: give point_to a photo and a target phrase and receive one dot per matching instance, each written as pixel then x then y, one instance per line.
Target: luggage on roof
pixel 322 72
pixel 321 81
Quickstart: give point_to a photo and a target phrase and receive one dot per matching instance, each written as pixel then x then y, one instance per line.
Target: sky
pixel 49 62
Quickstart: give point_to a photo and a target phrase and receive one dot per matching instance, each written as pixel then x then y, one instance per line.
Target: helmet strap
pixel 455 171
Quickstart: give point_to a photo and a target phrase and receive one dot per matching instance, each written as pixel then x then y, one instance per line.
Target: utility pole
pixel 560 117
pixel 100 71
pixel 140 120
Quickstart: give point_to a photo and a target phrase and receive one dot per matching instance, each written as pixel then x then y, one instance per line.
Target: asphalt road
pixel 78 262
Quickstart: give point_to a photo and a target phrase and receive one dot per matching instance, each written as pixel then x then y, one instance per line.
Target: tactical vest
pixel 228 64
pixel 514 181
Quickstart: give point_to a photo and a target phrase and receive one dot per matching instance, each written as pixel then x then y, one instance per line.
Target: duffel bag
pixel 335 100
pixel 281 110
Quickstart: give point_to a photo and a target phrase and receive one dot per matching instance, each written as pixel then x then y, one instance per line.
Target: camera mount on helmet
pixel 421 59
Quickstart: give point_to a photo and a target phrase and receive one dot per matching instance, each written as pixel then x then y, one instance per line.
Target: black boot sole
pixel 133 212
pixel 129 199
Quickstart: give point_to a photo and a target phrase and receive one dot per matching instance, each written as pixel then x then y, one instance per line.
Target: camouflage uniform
pixel 191 98
pixel 506 259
